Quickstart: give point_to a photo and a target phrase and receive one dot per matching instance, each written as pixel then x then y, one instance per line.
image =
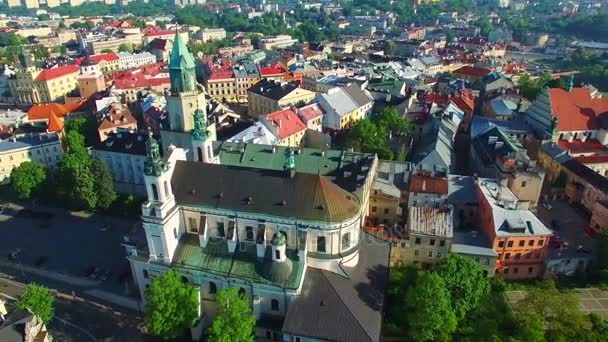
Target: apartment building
pixel 31 84
pixel 277 42
pixel 208 34
pixel 268 96
pixel 246 76
pixel 221 84
pixel 286 125
pixel 107 62
pixel 344 106
pixel 44 149
pixel 127 60
pixel 98 46
pixel 519 238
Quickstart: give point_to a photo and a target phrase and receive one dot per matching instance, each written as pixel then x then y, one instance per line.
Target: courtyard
pixel 590 300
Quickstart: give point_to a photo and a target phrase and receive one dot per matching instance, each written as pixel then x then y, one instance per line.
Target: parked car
pixel 547 205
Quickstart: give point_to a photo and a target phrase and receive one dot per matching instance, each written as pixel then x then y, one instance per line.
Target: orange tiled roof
pixel 43 111
pixel 428 185
pixel 576 110
pixel 55 123
pixel 287 122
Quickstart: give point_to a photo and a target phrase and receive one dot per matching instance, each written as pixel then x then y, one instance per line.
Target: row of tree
pixel 455 301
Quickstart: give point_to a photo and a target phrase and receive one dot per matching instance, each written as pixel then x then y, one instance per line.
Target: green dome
pixel 278 239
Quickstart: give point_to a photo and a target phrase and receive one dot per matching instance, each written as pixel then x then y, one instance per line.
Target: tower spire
pixel 154 164
pixel 181 66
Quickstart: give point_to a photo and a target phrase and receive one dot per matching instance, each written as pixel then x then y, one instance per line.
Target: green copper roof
pixel 307 160
pixel 180 56
pixel 278 240
pixel 214 258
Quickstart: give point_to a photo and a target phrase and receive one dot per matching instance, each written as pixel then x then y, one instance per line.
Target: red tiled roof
pixel 311 111
pixel 587 146
pixel 43 111
pixel 53 73
pixel 55 123
pixel 117 118
pixel 154 33
pixel 576 110
pixel 268 71
pixel 221 75
pixel 592 159
pixel 287 122
pixel 472 71
pixel 428 185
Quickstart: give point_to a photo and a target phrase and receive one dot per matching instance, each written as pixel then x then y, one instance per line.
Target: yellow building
pixel 268 96
pixel 221 84
pixel 34 85
pixel 44 149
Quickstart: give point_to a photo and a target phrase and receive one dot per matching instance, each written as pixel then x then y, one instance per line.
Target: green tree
pixel 38 300
pixel 124 47
pixel 430 316
pixel 171 306
pixel 234 321
pixel 103 183
pixel 389 120
pixel 369 137
pixel 556 312
pixel 465 281
pixel 106 51
pixel 78 182
pixel 27 178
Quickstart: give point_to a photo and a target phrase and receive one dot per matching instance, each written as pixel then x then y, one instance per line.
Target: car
pixel 547 206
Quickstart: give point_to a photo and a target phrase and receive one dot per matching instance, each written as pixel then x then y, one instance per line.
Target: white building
pixel 280 41
pixel 211 34
pixel 44 149
pixel 127 60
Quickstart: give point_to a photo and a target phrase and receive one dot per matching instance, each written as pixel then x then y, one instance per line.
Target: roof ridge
pixel 346 306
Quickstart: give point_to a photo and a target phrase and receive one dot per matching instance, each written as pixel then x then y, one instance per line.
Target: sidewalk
pixel 65 278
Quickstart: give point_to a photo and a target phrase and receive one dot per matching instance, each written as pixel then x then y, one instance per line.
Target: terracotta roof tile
pixel 55 123
pixel 287 122
pixel 576 110
pixel 472 71
pixel 43 111
pixel 428 185
pixel 49 74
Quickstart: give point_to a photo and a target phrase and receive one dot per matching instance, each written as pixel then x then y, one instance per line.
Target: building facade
pixel 44 149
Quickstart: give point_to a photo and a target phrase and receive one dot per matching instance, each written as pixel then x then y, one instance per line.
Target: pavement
pixel 590 300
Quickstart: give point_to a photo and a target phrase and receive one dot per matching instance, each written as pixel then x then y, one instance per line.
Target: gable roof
pixel 287 122
pixel 50 74
pixel 576 110
pixel 472 71
pixel 311 111
pixel 332 307
pixel 268 192
pixel 55 123
pixel 272 89
pixel 43 111
pixel 428 185
pixel 338 101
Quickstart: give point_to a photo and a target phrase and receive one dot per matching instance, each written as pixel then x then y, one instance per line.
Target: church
pixel 282 224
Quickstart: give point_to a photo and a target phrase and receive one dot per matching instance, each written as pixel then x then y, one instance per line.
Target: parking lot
pixel 568 222
pixel 65 242
pixel 590 300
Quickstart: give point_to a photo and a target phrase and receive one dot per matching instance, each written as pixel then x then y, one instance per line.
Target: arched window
pixel 200 154
pixel 146 275
pixel 212 288
pixel 274 305
pixel 154 192
pixel 166 185
pixel 277 254
pixel 242 292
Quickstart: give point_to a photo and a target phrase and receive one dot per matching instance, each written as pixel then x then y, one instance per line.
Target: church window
pixel 154 192
pixel 192 225
pixel 249 233
pixel 220 229
pixel 321 244
pixel 146 275
pixel 274 304
pixel 200 154
pixel 345 241
pixel 277 254
pixel 212 288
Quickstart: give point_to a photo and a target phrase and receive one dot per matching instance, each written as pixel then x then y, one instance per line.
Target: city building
pixel 44 149
pixel 208 34
pixel 99 45
pixel 474 245
pixel 221 84
pixel 90 80
pixel 312 115
pixel 388 198
pixel 514 232
pixel 127 60
pixel 268 96
pixel 280 41
pixel 125 154
pixel 286 125
pixel 107 62
pixel 344 106
pixel 246 76
pixel 31 84
pixel 115 118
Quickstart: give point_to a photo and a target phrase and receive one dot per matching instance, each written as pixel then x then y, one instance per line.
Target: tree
pixel 234 321
pixel 27 178
pixel 465 281
pixel 368 137
pixel 38 300
pixel 78 182
pixel 124 47
pixel 171 306
pixel 557 313
pixel 106 51
pixel 430 316
pixel 389 120
pixel 103 183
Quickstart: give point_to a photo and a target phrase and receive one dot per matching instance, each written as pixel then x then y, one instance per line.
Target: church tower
pixel 90 79
pixel 202 144
pixel 184 98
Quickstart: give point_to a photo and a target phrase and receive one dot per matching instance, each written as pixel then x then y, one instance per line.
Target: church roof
pixel 267 192
pixel 180 56
pixel 576 110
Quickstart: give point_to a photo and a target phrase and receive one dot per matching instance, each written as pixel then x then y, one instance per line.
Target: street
pixel 81 320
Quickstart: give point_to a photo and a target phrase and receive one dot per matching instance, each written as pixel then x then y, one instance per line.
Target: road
pixel 81 320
